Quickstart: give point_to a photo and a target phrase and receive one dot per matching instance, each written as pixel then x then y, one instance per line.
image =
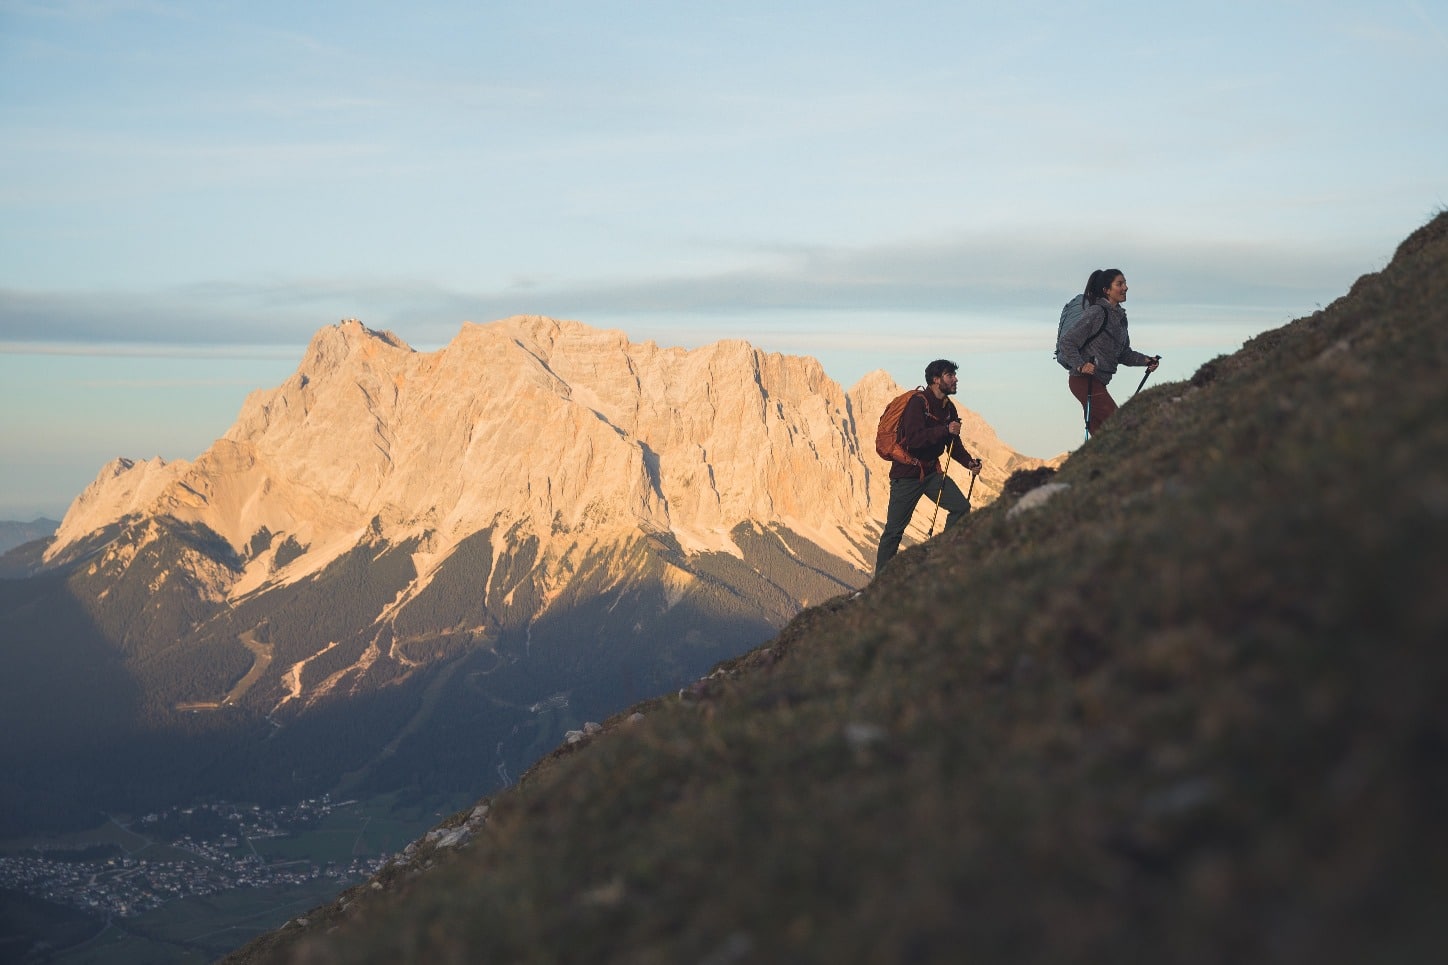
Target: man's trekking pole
pixel 948 451
pixel 1145 374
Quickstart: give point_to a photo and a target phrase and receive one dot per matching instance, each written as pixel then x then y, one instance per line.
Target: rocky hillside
pixel 1183 703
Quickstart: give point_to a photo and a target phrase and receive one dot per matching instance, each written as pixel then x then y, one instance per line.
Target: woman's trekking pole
pixel 1144 375
pixel 1090 386
pixel 949 450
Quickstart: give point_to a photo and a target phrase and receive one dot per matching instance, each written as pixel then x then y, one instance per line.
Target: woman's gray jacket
pixel 1108 350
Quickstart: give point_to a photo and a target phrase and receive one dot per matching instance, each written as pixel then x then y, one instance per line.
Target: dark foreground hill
pixel 1189 708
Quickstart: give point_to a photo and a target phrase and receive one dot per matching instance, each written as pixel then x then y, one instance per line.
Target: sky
pixel 190 190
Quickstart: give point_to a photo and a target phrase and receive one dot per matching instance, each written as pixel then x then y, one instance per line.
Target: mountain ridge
pixel 1182 703
pixel 284 427
pixel 537 508
pixel 14 532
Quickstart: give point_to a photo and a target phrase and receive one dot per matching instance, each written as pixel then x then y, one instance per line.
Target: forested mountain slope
pixel 1189 707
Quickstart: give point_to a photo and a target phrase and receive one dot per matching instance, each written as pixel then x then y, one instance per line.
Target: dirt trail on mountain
pixel 263 654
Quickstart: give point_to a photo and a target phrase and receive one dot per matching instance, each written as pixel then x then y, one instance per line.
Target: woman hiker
pixel 1098 342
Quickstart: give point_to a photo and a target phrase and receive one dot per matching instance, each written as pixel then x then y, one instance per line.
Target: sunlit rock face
pixel 533 425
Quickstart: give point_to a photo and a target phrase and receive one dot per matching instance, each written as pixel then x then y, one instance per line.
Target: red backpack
pixel 887 436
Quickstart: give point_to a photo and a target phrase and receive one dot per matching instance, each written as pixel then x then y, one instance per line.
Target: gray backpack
pixel 1071 313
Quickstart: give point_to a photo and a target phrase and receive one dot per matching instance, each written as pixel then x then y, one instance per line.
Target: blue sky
pixel 189 190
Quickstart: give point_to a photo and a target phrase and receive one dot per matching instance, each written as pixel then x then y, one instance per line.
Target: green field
pixel 360 830
pixel 108 833
pixel 130 843
pixel 22 918
pixel 199 929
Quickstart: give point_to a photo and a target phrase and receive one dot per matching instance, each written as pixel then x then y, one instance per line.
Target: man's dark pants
pixel 904 494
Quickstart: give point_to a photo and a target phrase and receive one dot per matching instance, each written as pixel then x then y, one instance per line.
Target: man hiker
pixel 929 427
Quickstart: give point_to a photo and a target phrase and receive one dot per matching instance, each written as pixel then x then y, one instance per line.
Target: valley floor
pixel 189 884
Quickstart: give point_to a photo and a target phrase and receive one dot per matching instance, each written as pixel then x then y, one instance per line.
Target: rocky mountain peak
pixel 348 336
pixel 552 425
pixel 123 487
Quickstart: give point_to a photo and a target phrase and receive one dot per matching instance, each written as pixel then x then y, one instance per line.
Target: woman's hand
pixel 1089 368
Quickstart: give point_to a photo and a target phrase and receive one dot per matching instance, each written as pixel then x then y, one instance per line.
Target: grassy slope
pixel 1190 709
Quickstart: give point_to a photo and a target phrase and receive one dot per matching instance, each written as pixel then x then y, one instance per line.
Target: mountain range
pixel 407 570
pixel 15 533
pixel 1180 701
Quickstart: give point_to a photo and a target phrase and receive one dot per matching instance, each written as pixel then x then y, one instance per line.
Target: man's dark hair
pixel 938 368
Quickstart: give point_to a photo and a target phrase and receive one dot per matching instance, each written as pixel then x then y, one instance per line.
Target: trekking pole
pixel 948 451
pixel 1156 358
pixel 1090 385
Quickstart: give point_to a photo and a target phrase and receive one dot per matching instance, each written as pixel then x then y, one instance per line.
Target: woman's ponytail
pixel 1097 284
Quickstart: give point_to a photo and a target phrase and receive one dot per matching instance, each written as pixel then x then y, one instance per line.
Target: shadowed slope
pixel 1188 708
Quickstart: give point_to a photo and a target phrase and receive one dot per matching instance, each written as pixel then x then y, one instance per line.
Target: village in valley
pixel 193 851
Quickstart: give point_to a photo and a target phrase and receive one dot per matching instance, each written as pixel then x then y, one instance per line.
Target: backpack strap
pixel 1105 319
pixel 919 464
pixel 925 405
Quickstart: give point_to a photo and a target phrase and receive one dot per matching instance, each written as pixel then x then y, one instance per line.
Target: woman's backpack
pixel 1071 313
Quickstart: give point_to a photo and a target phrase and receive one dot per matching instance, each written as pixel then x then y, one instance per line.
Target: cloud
pixel 1001 280
pixel 120 318
pixel 977 275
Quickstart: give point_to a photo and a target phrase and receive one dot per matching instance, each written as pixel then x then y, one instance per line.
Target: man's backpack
pixel 1071 313
pixel 887 436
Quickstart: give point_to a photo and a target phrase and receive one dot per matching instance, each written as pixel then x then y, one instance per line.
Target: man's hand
pixel 976 466
pixel 954 427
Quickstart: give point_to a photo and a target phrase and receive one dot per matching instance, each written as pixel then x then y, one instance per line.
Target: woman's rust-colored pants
pixel 1102 405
